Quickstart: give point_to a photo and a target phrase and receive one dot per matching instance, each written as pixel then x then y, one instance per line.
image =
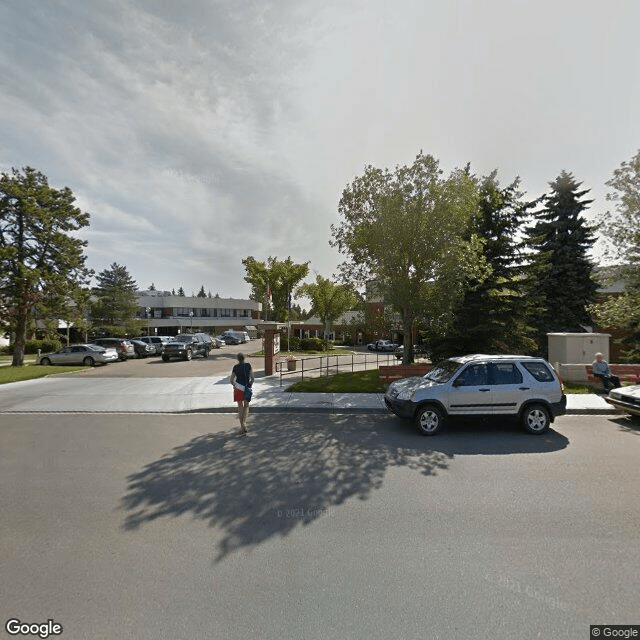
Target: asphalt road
pixel 317 526
pixel 220 362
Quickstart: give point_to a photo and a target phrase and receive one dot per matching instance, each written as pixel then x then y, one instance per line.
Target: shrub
pixel 32 346
pixel 289 344
pixel 45 346
pixel 312 344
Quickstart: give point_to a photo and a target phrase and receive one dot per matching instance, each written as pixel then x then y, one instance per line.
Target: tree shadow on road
pixel 291 470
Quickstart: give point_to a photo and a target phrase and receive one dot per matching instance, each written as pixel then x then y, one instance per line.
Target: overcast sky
pixel 199 132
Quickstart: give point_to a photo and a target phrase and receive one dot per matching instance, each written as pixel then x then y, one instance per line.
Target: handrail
pixel 356 360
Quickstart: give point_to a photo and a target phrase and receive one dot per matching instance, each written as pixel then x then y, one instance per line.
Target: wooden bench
pixel 626 373
pixel 395 372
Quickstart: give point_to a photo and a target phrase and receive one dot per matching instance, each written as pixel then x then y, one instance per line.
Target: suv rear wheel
pixel 188 354
pixel 536 419
pixel 429 420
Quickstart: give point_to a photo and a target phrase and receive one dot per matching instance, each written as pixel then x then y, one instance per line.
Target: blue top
pixel 243 373
pixel 601 368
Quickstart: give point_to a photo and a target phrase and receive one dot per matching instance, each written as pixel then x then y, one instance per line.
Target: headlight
pixel 405 395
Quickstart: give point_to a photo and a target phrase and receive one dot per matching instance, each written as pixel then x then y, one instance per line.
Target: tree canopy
pixel 279 277
pixel 408 230
pixel 493 315
pixel 622 228
pixel 40 259
pixel 329 300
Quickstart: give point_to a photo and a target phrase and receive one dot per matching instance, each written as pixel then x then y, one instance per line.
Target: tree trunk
pixel 22 318
pixel 407 332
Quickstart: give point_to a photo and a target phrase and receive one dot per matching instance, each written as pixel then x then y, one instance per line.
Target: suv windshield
pixel 443 371
pixel 183 338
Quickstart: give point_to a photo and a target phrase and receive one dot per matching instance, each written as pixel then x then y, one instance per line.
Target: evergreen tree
pixel 181 292
pixel 40 259
pixel 152 287
pixel 201 293
pixel 116 292
pixel 560 281
pixel 493 316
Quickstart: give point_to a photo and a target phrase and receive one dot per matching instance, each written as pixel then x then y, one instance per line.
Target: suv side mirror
pixel 457 382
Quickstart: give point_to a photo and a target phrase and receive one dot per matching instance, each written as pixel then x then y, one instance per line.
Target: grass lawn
pixel 356 382
pixel 31 371
pixel 576 387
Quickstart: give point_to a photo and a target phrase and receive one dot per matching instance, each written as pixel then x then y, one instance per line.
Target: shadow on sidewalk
pixel 293 469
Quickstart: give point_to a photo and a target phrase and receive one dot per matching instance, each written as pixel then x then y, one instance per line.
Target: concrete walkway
pixel 199 394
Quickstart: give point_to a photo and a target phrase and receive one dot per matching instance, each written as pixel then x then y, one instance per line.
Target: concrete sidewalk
pixel 62 394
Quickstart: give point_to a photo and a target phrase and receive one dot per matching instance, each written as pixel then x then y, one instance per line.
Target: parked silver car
pixel 87 354
pixel 520 386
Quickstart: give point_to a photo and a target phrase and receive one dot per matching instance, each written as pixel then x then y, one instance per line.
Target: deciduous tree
pixel 622 228
pixel 277 277
pixel 407 229
pixel 329 300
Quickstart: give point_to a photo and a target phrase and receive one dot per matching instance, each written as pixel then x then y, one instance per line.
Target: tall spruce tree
pixel 116 293
pixel 493 316
pixel 560 281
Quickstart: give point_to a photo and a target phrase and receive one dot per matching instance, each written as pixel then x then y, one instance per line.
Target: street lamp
pixel 148 310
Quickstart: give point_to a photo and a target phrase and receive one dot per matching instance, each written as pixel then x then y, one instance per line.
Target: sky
pixel 199 132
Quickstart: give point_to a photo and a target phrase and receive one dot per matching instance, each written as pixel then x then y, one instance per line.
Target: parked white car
pixel 87 354
pixel 626 399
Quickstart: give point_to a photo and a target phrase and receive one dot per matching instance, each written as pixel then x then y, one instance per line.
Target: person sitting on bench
pixel 601 370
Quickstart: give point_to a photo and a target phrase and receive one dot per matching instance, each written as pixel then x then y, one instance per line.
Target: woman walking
pixel 241 380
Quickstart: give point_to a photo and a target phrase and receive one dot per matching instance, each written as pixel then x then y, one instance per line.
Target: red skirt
pixel 238 395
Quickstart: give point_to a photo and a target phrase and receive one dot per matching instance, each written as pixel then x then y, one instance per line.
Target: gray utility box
pixel 573 350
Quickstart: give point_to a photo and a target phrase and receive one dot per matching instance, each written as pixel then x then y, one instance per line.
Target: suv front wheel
pixel 429 420
pixel 536 419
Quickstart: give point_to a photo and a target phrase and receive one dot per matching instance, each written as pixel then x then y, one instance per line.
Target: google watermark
pixel 15 627
pixel 614 631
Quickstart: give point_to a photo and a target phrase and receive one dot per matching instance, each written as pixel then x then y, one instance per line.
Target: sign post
pixel 271 347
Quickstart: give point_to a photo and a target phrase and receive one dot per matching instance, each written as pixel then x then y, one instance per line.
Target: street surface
pixel 317 526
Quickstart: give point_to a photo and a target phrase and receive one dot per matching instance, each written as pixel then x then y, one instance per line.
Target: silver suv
pixel 520 386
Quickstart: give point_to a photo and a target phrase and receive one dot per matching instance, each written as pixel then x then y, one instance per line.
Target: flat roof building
pixel 169 314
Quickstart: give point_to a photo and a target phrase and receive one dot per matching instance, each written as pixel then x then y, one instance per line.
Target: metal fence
pixel 329 365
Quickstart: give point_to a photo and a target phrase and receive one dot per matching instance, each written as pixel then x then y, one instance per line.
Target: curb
pixel 275 410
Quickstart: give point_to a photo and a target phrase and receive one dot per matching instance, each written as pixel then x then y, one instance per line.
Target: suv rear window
pixel 539 371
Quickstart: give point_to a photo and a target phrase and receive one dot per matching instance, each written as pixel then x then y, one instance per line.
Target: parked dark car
pixel 187 345
pixel 143 349
pixel 156 341
pixel 123 347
